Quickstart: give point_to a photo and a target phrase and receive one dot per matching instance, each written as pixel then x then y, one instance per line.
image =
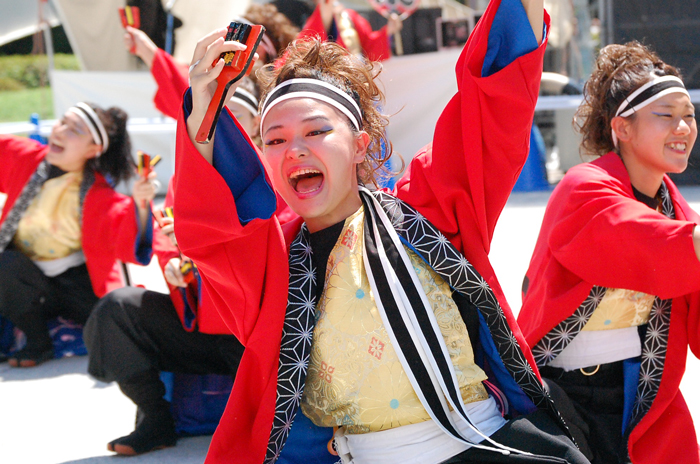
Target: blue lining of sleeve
pixel 238 163
pixel 630 370
pixel 516 396
pixel 307 443
pixel 510 37
pixel 143 249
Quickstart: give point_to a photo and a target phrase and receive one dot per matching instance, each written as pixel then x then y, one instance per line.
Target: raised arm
pixel 535 13
pixel 481 140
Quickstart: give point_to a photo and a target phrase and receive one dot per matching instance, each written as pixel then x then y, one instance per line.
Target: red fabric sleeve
pixel 313 27
pixel 19 157
pixel 110 233
pixel 172 80
pixel 634 246
pixel 233 259
pixel 462 182
pixel 375 44
pixel 480 144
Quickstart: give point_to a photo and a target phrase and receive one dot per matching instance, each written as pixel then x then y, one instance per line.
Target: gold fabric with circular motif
pixel 355 378
pixel 620 309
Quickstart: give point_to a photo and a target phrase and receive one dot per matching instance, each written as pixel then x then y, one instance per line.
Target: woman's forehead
pixel 300 109
pixel 75 120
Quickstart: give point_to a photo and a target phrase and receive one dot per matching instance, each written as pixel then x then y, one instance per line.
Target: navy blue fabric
pixel 307 443
pixel 516 396
pixel 197 402
pixel 238 163
pixel 510 37
pixel 143 249
pixel 630 372
pixel 67 338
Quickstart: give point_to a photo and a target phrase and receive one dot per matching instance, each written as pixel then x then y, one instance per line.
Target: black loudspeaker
pixel 419 33
pixel 672 29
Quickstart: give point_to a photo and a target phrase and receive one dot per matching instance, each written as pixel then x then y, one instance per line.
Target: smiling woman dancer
pixel 361 314
pixel 64 227
pixel 611 299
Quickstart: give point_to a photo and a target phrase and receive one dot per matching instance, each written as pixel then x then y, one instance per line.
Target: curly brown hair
pixel 277 26
pixel 619 70
pixel 333 64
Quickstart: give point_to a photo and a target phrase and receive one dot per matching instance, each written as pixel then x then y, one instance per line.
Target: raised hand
pixel 206 67
pixel 141 44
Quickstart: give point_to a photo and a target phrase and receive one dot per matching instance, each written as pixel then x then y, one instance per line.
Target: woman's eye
pixel 319 132
pixel 274 142
pixel 663 115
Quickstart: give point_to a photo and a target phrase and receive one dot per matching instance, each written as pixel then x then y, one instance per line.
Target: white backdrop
pixel 417 88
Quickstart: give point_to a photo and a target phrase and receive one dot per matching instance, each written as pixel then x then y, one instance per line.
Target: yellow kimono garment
pixel 50 228
pixel 620 309
pixel 355 378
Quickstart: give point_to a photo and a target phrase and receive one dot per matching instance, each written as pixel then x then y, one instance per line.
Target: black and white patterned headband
pixel 318 90
pixel 246 100
pixel 93 123
pixel 648 93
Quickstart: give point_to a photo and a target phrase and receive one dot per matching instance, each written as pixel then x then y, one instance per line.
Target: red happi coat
pixel 109 226
pixel 460 184
pixel 375 44
pixel 595 232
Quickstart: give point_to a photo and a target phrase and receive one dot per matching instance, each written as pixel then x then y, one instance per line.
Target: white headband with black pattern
pixel 246 100
pixel 93 123
pixel 657 87
pixel 318 90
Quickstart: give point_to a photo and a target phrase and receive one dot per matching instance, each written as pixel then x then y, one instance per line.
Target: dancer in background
pixel 133 334
pixel 63 227
pixel 171 77
pixel 611 301
pixel 333 22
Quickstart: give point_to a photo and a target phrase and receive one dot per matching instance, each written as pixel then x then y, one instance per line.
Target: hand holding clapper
pixel 236 66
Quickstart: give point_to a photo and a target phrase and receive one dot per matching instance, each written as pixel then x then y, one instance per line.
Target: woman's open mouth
pixel 305 181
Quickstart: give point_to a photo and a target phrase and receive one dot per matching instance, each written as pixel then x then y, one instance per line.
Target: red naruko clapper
pixel 237 65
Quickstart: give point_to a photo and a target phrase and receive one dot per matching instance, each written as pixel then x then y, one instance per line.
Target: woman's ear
pixel 622 127
pixel 95 151
pixel 361 145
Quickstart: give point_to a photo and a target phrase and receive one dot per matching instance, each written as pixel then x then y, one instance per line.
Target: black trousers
pixel 28 298
pixel 134 333
pixel 592 405
pixel 536 433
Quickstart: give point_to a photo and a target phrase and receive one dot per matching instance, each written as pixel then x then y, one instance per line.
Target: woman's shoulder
pixel 608 170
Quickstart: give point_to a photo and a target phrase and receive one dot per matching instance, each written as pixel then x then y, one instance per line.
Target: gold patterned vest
pixel 355 378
